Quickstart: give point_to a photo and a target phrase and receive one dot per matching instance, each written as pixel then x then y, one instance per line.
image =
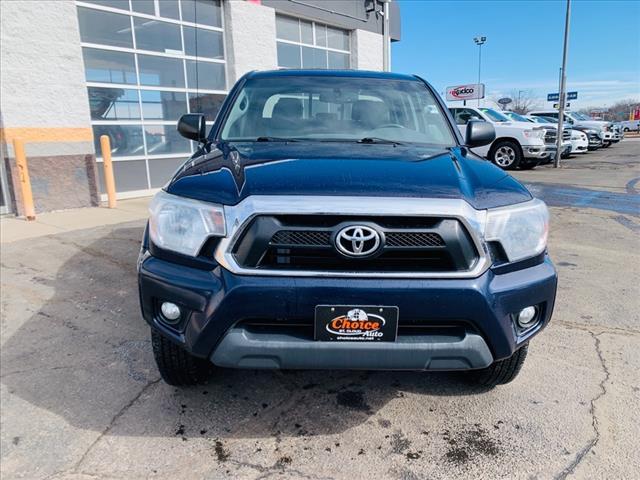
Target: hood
pixel 230 173
pixel 592 124
pixel 523 125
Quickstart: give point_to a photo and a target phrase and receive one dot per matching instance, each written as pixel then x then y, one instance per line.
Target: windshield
pixel 517 117
pixel 493 115
pixel 580 116
pixel 538 119
pixel 336 109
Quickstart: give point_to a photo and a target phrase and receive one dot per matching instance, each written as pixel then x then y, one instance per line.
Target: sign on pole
pixel 554 97
pixel 465 92
pixel 557 105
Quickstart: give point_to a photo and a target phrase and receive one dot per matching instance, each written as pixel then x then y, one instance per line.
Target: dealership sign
pixel 465 92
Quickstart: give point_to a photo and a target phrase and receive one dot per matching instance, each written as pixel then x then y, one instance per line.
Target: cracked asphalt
pixel 81 398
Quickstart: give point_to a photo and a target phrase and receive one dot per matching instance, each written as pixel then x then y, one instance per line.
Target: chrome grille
pixel 411 244
pixel 255 220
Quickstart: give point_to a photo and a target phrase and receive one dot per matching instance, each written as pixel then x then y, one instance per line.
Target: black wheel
pixel 506 154
pixel 606 144
pixel 177 366
pixel 528 165
pixel 500 372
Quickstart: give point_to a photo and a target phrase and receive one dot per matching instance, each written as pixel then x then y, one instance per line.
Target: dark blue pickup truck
pixel 337 220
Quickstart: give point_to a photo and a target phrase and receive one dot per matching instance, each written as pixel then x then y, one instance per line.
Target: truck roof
pixel 331 73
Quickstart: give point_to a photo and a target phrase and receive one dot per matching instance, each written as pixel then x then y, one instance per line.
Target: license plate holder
pixel 353 323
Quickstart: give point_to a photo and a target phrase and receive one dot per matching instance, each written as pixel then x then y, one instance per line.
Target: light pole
pixel 563 85
pixel 519 107
pixel 386 37
pixel 479 41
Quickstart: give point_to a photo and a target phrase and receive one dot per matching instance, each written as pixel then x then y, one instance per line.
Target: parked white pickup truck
pixel 517 144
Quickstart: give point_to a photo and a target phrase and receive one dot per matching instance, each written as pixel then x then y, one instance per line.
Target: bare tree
pixel 523 101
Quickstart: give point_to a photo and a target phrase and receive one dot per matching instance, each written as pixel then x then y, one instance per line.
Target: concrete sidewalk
pixel 14 229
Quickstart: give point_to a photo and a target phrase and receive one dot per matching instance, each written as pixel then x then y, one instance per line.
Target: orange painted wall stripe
pixel 46 134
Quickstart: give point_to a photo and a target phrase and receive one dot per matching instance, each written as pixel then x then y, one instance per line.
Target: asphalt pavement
pixel 81 398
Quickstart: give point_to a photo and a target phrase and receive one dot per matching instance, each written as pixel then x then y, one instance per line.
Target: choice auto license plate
pixel 356 323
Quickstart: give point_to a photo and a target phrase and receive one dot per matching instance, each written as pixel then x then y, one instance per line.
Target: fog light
pixel 170 312
pixel 527 316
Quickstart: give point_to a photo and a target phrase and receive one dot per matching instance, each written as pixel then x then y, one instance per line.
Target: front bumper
pixel 217 304
pixel 595 141
pixel 579 146
pixel 538 151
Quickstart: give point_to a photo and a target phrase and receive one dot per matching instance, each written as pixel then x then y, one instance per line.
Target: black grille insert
pixel 304 327
pixel 306 242
pixel 311 238
pixel 413 239
pixel 319 238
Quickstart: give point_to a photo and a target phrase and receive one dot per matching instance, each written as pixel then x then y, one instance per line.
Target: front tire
pixel 506 154
pixel 500 372
pixel 177 366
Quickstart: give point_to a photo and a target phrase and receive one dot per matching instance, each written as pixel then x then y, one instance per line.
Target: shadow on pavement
pixel 85 356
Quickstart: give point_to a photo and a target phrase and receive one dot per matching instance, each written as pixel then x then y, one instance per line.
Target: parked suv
pixel 338 220
pixel 517 144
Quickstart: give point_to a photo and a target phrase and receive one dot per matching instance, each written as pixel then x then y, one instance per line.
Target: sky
pixel 523 50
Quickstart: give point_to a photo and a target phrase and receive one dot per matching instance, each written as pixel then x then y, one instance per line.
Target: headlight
pixel 522 230
pixel 534 133
pixel 183 225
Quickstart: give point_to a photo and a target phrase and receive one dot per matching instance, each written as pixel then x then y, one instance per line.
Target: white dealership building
pixel 72 71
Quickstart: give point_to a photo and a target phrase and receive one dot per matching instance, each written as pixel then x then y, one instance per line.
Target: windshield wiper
pixel 378 140
pixel 276 139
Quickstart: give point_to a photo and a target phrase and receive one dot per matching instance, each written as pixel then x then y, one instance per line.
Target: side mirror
pixel 193 126
pixel 479 133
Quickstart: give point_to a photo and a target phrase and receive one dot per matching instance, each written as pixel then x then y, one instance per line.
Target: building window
pixel 146 63
pixel 306 44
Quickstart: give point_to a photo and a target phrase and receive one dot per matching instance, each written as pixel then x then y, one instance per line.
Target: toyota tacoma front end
pixel 338 220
